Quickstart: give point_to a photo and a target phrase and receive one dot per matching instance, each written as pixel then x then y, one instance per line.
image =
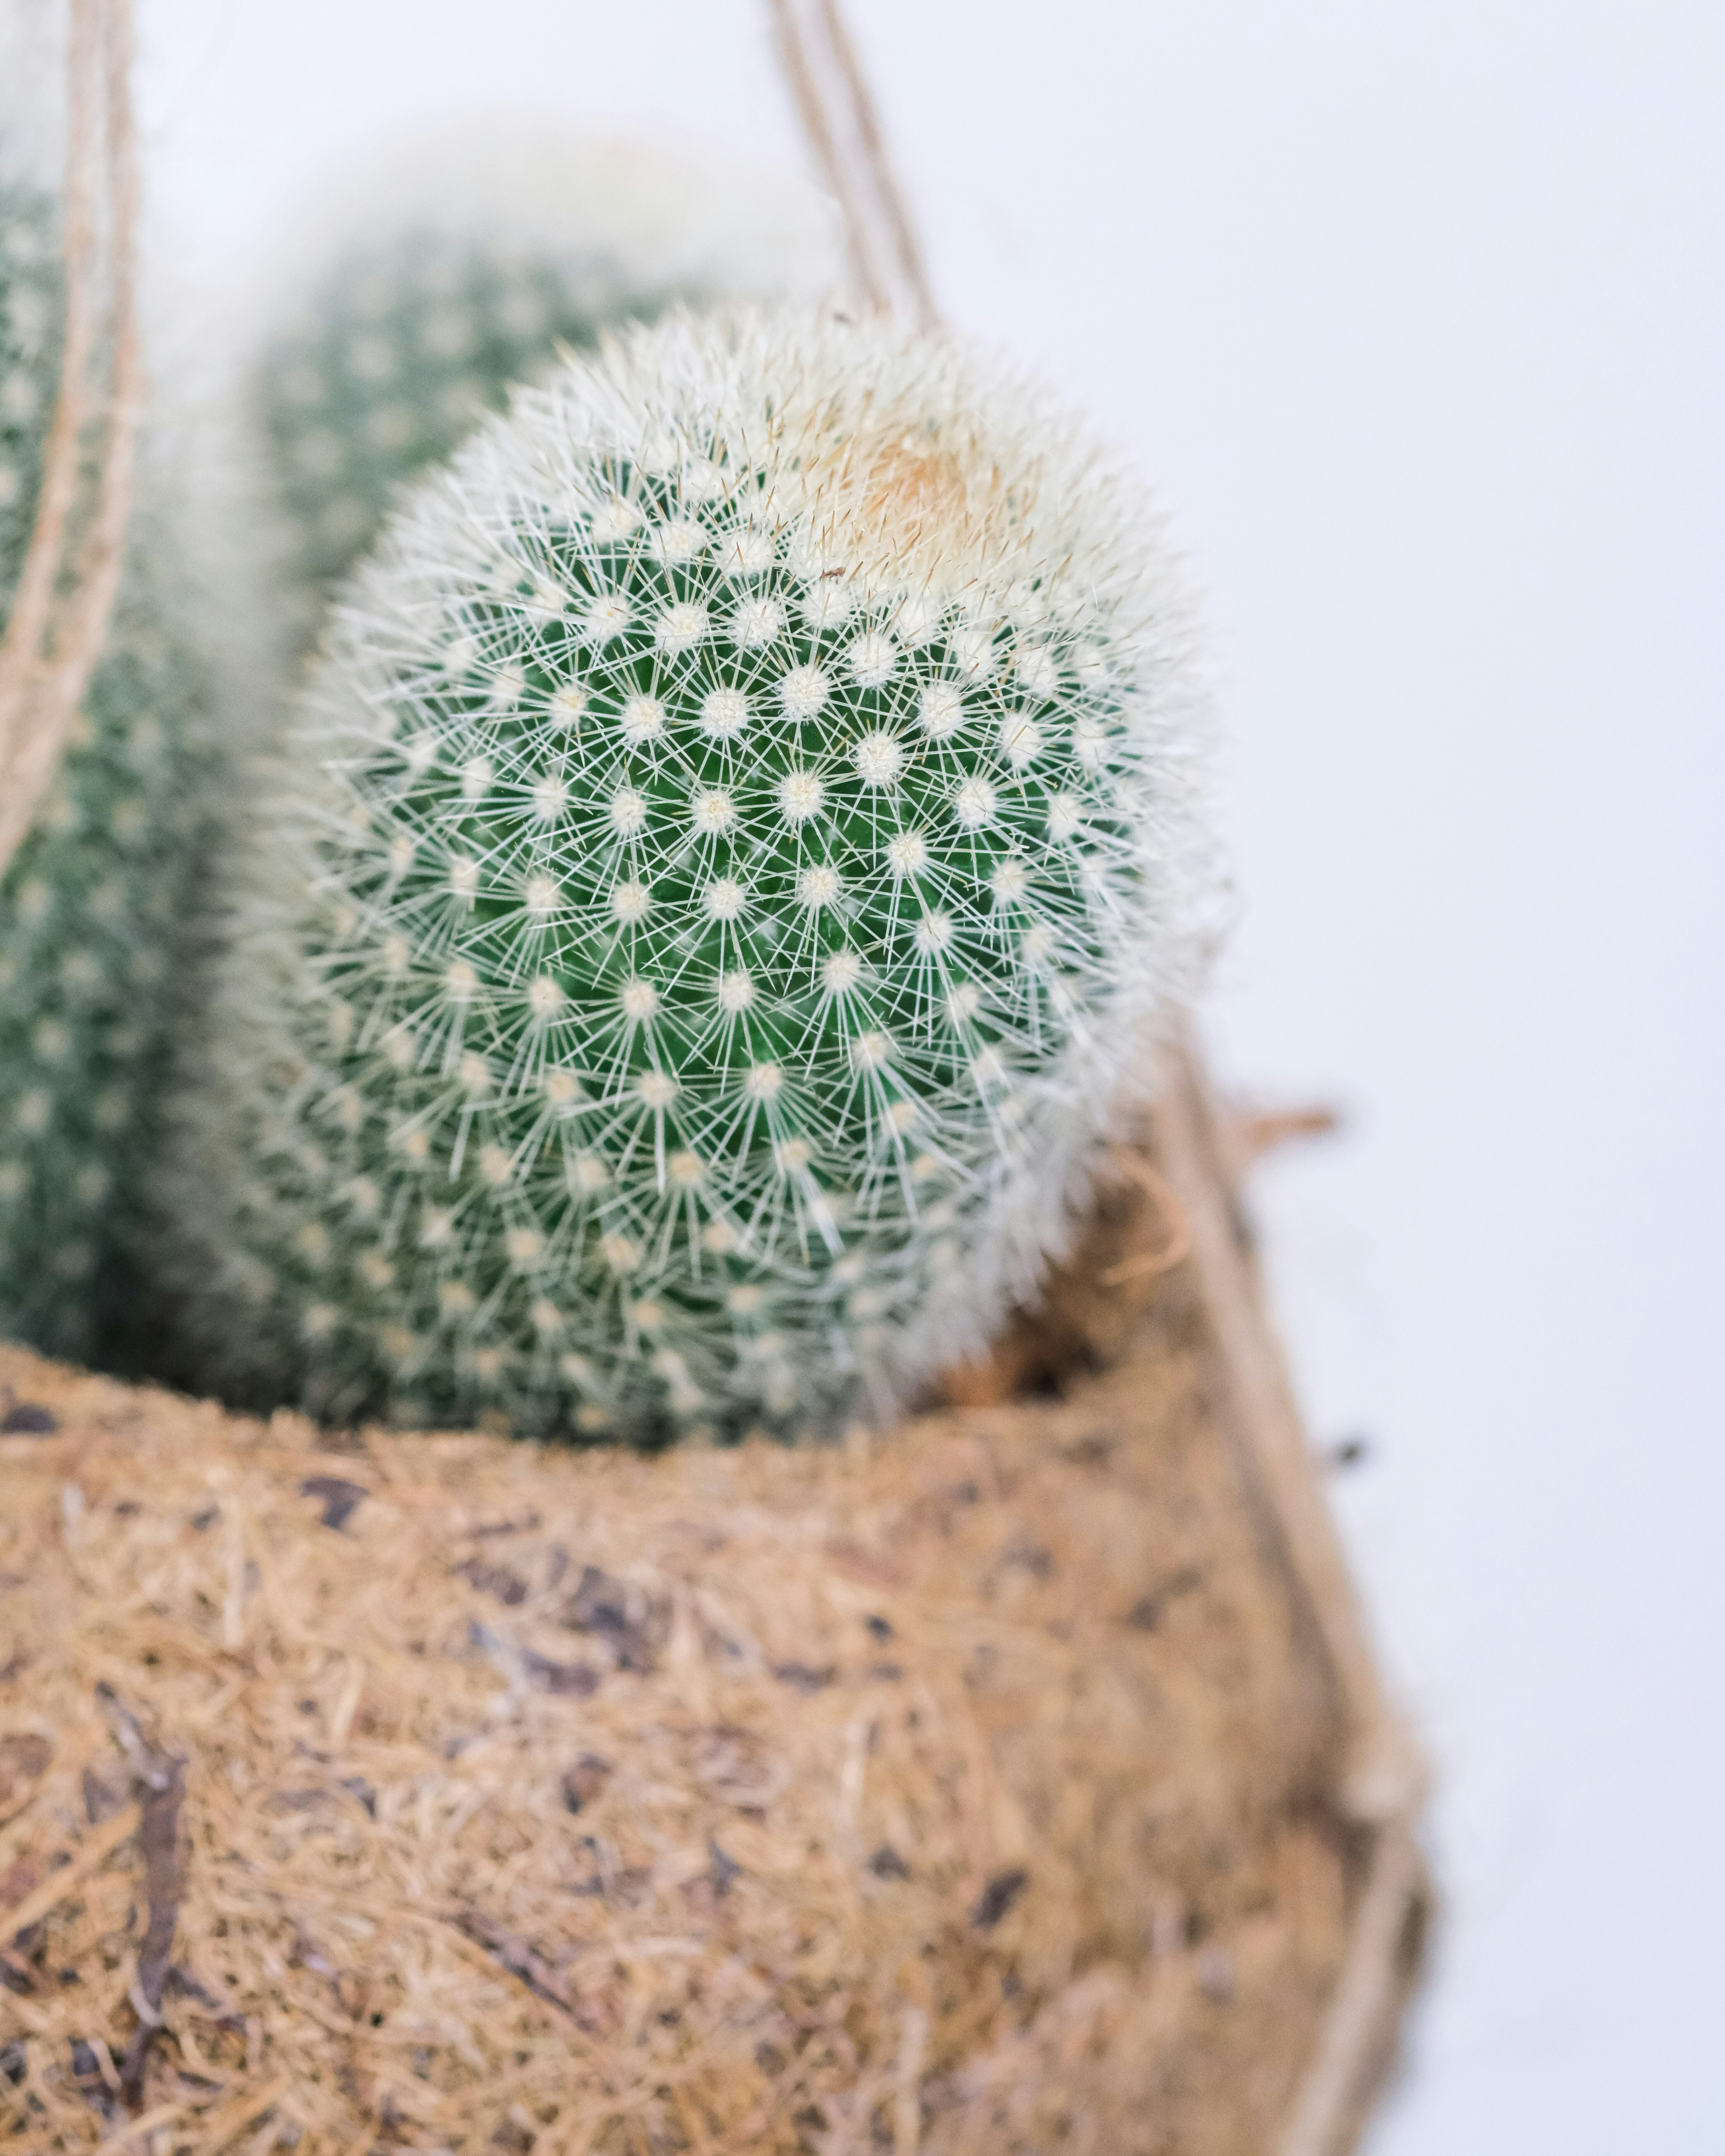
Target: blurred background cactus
pixel 407 347
pixel 749 816
pixel 96 898
pixel 97 913
pixel 31 303
pixel 454 265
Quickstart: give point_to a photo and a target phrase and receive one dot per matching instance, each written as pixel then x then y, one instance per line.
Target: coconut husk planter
pixel 1001 1785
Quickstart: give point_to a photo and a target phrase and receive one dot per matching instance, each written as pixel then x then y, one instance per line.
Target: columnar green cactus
pixel 92 905
pixel 749 815
pixel 409 342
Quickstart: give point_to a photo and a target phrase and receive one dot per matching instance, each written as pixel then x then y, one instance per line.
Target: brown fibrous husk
pixel 966 1792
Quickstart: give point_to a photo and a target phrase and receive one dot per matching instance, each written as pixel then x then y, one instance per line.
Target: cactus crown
pixel 756 811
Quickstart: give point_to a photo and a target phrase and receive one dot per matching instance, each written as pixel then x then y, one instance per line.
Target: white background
pixel 1414 310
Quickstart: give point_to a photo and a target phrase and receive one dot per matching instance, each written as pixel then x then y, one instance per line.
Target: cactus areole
pixel 748 820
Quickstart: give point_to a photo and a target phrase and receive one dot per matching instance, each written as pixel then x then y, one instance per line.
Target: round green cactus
pixel 407 345
pixel 94 903
pixel 748 820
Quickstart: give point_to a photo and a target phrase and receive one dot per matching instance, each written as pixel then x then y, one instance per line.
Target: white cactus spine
pixel 748 817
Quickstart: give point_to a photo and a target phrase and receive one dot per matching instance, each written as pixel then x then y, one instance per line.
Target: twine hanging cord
pixel 66 588
pixel 840 118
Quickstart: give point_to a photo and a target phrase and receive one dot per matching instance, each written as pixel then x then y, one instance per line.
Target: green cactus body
pixel 405 347
pixel 93 905
pixel 748 816
pixel 30 307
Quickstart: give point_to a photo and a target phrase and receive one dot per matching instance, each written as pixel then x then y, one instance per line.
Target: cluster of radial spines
pixel 695 970
pixel 405 346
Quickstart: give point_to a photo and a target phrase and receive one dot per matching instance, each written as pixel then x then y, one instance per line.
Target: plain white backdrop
pixel 1415 314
